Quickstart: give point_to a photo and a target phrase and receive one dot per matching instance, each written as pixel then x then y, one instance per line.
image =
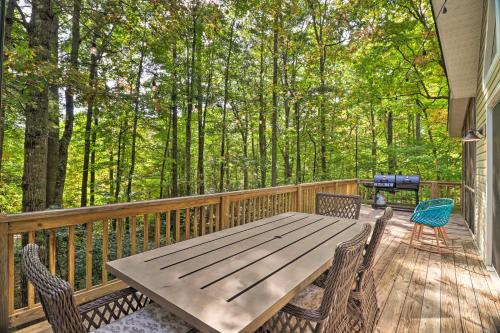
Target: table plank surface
pixel 236 279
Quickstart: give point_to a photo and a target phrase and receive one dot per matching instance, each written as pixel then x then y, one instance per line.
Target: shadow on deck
pixel 429 292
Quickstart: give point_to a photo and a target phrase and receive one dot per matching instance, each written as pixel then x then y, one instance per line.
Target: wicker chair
pixel 338 205
pixel 326 310
pixel 64 316
pixel 362 306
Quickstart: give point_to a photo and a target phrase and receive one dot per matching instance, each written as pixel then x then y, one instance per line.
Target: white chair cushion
pixel 151 318
pixel 309 298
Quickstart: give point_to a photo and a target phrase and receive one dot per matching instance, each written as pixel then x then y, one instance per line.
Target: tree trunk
pixel 223 151
pixel 9 20
pixel 200 110
pixel 374 141
pixel 311 137
pixel 164 159
pixel 286 105
pixel 134 127
pixel 53 134
pixel 119 159
pixel 173 98
pixel 190 99
pixel 434 149
pixel 88 125
pixel 92 158
pixel 322 112
pixel 274 120
pixel 418 128
pixel 391 159
pixel 245 160
pixel 36 127
pixel 262 119
pixel 69 96
pixel 296 107
pixel 318 25
pixel 298 174
pixel 242 124
pixel 111 173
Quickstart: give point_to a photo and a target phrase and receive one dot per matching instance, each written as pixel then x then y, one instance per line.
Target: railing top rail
pixel 326 182
pixel 72 216
pixel 128 206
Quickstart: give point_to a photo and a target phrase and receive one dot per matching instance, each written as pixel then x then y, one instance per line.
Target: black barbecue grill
pixel 392 184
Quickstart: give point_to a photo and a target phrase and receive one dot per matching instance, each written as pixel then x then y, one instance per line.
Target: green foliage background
pixel 382 56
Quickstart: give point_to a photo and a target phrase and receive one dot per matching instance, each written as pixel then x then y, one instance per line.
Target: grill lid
pixel 407 181
pixel 385 181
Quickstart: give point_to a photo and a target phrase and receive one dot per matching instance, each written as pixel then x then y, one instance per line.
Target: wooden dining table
pixel 234 280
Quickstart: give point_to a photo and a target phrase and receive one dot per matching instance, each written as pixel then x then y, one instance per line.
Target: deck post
pixel 434 190
pixel 224 212
pixel 4 277
pixel 299 198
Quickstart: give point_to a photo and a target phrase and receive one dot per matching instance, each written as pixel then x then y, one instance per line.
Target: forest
pixel 110 101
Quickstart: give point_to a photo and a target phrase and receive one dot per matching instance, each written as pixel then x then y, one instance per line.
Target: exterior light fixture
pixel 473 135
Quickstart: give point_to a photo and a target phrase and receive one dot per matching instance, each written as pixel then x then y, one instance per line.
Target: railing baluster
pixel 167 228
pixel 133 235
pixel 5 282
pixel 145 225
pixel 52 252
pixel 199 214
pixel 88 257
pixel 187 224
pixel 119 238
pixel 31 289
pixel 157 229
pixel 105 240
pixel 233 214
pixel 238 213
pixel 244 214
pixel 254 208
pixel 203 224
pixel 10 246
pixel 260 213
pixel 210 220
pixel 177 225
pixel 71 256
pixel 217 217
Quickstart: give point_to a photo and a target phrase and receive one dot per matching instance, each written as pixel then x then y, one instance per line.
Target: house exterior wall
pixel 486 86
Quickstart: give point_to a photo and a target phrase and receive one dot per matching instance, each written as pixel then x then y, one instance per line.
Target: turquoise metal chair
pixel 435 214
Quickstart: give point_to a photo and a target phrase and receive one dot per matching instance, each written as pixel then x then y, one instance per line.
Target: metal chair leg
pixel 440 229
pixel 420 232
pixel 436 234
pixel 413 232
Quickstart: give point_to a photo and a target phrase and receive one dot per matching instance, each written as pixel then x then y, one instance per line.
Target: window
pixel 491 54
pixel 469 169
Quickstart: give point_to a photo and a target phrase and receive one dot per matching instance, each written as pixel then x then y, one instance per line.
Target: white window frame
pixel 492 15
pixel 491 104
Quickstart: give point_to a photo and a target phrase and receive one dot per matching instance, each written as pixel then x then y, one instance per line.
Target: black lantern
pixel 472 136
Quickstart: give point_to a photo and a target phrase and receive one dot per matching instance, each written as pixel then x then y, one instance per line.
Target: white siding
pixel 484 90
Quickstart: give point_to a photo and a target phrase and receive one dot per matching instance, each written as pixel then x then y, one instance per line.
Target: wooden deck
pixel 422 291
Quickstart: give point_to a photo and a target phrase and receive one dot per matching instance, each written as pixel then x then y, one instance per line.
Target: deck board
pixel 422 291
pixel 419 291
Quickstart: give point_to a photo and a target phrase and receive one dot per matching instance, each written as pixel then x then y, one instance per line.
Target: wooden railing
pixel 76 243
pixel 428 190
